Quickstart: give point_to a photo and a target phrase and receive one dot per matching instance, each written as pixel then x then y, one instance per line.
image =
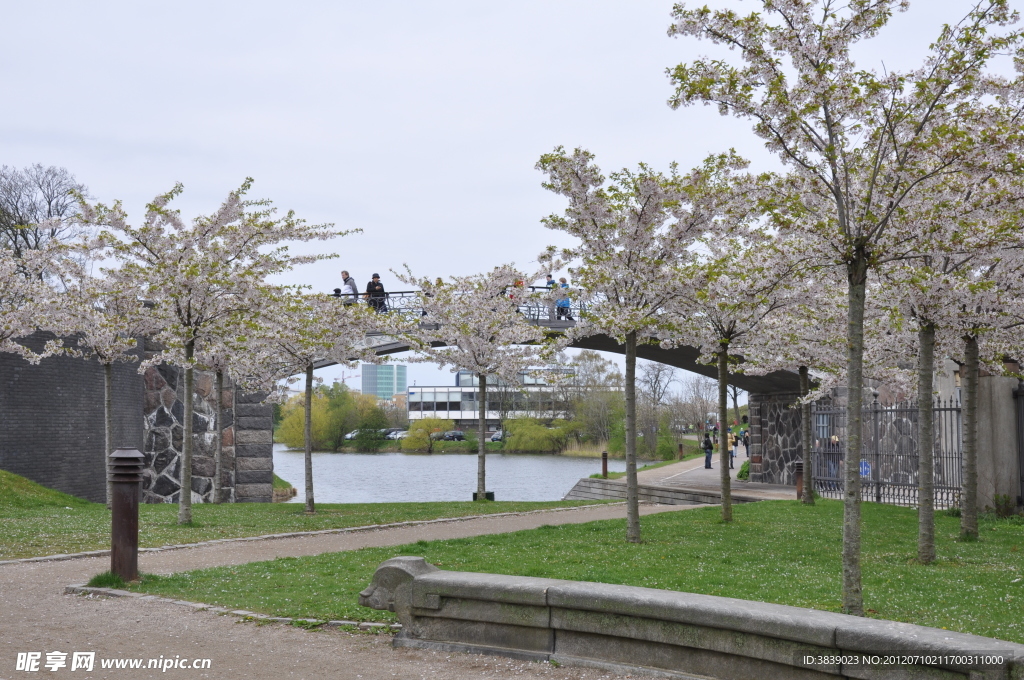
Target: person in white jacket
pixel 349 291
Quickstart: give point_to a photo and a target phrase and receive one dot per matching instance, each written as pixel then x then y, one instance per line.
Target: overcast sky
pixel 417 122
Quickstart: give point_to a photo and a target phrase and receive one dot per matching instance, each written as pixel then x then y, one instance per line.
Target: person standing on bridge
pixel 563 303
pixel 349 290
pixel 375 295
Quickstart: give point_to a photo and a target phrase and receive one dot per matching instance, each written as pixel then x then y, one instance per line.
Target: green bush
pixel 666 449
pixel 527 434
pixel 419 434
pixel 744 472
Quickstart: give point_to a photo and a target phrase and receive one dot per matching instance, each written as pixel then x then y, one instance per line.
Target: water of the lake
pixel 400 477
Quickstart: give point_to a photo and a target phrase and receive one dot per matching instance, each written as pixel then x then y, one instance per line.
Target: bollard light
pixel 604 464
pixel 126 480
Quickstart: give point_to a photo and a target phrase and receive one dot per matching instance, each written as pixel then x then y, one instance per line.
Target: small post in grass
pixel 126 481
pixel 798 478
pixel 604 464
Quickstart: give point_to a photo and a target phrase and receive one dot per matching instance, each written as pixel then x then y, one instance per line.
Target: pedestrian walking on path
pixel 708 449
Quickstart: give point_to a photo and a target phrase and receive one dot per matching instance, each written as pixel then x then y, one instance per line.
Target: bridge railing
pixel 539 305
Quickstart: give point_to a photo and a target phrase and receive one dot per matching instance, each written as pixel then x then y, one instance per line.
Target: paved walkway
pixel 36 617
pixel 691 474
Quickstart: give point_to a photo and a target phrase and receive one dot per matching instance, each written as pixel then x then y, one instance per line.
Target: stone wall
pixel 164 413
pixel 660 632
pixel 51 428
pixel 51 419
pixel 774 438
pixel 247 464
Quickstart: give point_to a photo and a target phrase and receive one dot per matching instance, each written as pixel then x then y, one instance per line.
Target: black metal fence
pixel 889 460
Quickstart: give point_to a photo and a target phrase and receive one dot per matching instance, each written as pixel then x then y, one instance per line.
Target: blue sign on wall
pixel 865 469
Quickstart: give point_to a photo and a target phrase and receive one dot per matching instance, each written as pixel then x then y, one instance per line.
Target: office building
pixel 384 381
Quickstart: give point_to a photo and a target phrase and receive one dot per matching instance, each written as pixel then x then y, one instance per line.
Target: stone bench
pixel 663 633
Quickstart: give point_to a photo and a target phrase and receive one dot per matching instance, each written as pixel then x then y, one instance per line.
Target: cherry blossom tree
pixel 294 332
pixel 24 298
pixel 737 285
pixel 862 147
pixel 635 234
pixel 198 274
pixel 474 323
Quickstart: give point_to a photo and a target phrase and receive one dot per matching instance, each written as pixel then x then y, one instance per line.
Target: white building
pixel 532 398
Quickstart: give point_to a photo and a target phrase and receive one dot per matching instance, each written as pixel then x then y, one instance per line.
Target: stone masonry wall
pixel 774 438
pixel 51 428
pixel 247 464
pixel 164 413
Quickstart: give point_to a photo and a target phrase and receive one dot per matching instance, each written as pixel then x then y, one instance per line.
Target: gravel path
pixel 36 617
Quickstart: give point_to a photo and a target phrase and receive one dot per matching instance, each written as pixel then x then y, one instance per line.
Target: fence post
pixel 1018 395
pixel 876 415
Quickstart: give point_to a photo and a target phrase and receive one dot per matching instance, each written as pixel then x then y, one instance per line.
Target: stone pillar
pixel 774 437
pixel 253 449
pixel 998 460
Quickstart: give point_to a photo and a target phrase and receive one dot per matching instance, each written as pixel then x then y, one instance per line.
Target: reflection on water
pixel 400 477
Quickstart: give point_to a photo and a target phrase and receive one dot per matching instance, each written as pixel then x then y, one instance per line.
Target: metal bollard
pixel 604 464
pixel 126 478
pixel 798 477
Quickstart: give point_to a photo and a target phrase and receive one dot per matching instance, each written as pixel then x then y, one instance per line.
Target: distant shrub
pixel 744 472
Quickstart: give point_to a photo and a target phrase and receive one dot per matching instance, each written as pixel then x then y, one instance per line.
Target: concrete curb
pixel 82 589
pixel 298 534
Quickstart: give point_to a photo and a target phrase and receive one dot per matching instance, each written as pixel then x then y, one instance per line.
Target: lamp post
pixel 126 480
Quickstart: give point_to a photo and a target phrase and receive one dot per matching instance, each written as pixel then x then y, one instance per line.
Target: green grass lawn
pixel 39 521
pixel 776 551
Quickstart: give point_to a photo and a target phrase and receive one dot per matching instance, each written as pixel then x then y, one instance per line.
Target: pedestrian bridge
pixel 541 313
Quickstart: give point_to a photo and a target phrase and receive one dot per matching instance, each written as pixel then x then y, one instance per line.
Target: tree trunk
pixel 853 596
pixel 925 444
pixel 724 459
pixel 108 425
pixel 481 453
pixel 806 437
pixel 735 393
pixel 185 493
pixel 632 488
pixel 969 494
pixel 307 432
pixel 218 451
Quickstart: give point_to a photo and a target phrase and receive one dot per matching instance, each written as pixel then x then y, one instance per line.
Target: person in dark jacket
pixel 375 295
pixel 708 449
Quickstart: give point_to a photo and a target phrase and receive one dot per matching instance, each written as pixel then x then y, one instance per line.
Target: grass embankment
pixel 39 521
pixel 283 490
pixel 777 551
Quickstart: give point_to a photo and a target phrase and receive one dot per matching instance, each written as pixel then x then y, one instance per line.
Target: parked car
pixel 388 431
pixel 396 434
pixel 454 436
pixel 352 435
pixel 498 436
